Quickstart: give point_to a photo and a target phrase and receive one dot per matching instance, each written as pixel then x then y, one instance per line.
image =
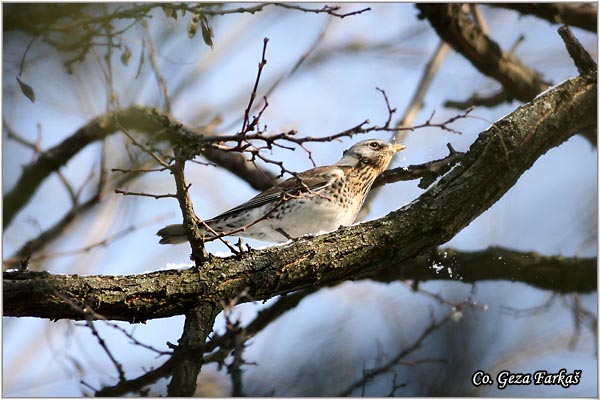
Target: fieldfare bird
pixel 318 200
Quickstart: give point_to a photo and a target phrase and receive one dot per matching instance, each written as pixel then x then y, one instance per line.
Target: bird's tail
pixel 172 234
pixel 175 234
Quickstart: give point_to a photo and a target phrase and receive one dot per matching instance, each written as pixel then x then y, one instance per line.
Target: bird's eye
pixel 374 145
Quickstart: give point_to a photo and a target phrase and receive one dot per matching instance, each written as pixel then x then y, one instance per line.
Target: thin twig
pixel 135 341
pixel 103 169
pixel 102 243
pixel 129 170
pixel 142 147
pixel 502 96
pixel 246 125
pixel 427 172
pixel 68 187
pixel 369 375
pixel 325 9
pixel 155 196
pixel 290 136
pixel 162 83
pixel 476 12
pixel 527 312
pixel 291 72
pixel 416 102
pixel 11 134
pixel 102 343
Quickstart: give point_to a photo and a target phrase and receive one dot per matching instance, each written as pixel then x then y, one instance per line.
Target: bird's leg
pixel 284 233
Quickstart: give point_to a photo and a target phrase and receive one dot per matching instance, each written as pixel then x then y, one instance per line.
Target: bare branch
pixel 545 272
pixel 581 15
pixel 415 105
pixel 198 325
pixel 416 102
pixel 11 134
pixel 102 243
pixel 133 385
pixel 160 79
pixel 141 146
pixel 325 9
pixel 36 245
pixel 90 324
pixel 246 125
pixel 191 222
pixel 478 16
pixel 251 10
pixel 130 170
pixel 256 177
pixel 52 159
pixel 142 194
pixel 428 172
pixel 492 100
pixel 135 341
pixel 456 28
pixel 583 61
pixel 369 375
pixel 167 293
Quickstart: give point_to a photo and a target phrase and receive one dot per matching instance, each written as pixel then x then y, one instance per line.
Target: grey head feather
pixel 360 151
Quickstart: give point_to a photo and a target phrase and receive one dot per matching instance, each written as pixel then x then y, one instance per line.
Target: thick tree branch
pixel 198 320
pixel 581 15
pixel 489 169
pixel 582 59
pixel 456 28
pixel 167 293
pixel 198 325
pixel 191 222
pixel 556 273
pixel 35 18
pixel 518 80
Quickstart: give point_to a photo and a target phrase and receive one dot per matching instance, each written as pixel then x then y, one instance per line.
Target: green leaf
pixel 169 12
pixel 193 25
pixel 141 61
pixel 207 32
pixel 126 55
pixel 26 89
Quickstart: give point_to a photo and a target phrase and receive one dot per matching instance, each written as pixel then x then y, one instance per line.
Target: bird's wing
pixel 311 181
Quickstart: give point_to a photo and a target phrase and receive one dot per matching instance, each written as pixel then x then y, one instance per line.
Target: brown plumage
pixel 317 200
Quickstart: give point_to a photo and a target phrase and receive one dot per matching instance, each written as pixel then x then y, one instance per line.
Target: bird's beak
pixel 396 147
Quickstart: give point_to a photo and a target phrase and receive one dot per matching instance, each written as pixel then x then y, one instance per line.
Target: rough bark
pixel 488 170
pixel 581 15
pixel 198 325
pixel 556 273
pixel 456 28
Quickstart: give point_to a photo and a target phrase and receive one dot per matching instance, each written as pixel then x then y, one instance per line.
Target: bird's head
pixel 372 153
